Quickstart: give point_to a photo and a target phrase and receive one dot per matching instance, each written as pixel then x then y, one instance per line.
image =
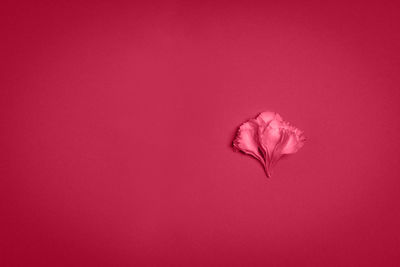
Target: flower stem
pixel 267 172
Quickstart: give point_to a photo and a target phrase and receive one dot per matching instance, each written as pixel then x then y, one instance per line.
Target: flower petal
pixel 268 138
pixel 247 140
pixel 270 135
pixel 266 117
pixel 293 142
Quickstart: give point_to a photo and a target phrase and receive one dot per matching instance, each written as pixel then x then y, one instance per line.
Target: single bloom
pixel 268 138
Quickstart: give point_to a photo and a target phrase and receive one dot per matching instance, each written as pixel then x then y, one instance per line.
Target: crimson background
pixel 117 120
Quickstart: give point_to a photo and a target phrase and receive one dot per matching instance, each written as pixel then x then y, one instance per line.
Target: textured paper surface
pixel 117 120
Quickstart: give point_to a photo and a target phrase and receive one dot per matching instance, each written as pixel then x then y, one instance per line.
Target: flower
pixel 267 138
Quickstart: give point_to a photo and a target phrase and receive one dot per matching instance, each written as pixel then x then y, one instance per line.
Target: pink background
pixel 117 120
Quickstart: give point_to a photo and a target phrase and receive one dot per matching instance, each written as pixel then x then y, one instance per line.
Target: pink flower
pixel 268 138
